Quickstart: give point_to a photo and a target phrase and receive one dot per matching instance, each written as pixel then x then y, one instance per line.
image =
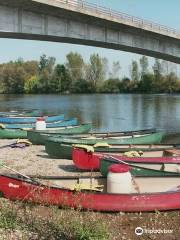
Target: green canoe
pixel 13 133
pixel 135 170
pixel 62 148
pixel 135 139
pixel 39 137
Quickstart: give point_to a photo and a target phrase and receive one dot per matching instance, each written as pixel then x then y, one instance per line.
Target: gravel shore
pixel 33 160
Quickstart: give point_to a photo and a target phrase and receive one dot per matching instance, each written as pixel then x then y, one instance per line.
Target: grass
pixel 50 223
pixel 21 221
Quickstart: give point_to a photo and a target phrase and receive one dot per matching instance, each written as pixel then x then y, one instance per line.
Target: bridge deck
pixel 112 15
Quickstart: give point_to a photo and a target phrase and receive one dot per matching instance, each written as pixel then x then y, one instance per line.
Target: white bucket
pixel 119 181
pixel 40 124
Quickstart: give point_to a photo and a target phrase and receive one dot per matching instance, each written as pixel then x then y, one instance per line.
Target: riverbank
pixel 33 160
pixel 26 221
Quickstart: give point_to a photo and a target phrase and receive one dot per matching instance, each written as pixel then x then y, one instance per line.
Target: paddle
pixel 117 160
pixel 8 145
pixel 19 141
pixel 23 175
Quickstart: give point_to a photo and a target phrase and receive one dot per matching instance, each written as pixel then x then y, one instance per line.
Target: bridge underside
pixel 35 21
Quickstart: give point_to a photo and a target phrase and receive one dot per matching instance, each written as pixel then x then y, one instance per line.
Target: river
pixel 109 112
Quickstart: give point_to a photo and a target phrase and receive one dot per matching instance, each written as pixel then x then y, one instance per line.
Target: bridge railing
pixel 123 17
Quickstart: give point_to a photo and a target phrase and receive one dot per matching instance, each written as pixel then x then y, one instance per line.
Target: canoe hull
pixel 57 150
pixel 153 138
pixel 62 148
pixel 13 134
pixel 15 189
pixel 39 137
pixel 64 123
pixel 91 161
pixel 135 170
pixel 19 120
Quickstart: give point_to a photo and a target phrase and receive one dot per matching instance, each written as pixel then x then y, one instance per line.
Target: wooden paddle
pixel 117 160
pixel 23 175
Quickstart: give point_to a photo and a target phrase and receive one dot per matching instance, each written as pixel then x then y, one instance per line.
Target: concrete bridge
pixel 79 22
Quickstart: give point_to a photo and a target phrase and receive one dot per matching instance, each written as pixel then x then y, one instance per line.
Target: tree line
pixel 77 76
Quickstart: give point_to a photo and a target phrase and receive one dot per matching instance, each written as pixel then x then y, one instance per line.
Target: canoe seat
pixel 90 187
pixel 85 147
pixel 101 144
pixel 133 154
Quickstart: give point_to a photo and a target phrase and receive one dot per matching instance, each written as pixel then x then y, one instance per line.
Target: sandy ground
pixel 33 160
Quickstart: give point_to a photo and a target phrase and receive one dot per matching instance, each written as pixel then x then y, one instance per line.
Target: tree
pixel 46 67
pixel 31 84
pixel 61 80
pixel 157 68
pixel 125 85
pixel 75 66
pixel 105 67
pixel 144 65
pixel 43 63
pixel 146 84
pixel 13 76
pixel 158 77
pixel 111 86
pixel 134 75
pixel 171 83
pixel 95 71
pixel 31 68
pixel 115 70
pixel 83 86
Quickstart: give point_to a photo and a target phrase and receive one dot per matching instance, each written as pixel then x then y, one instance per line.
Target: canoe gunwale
pixel 36 183
pixel 112 202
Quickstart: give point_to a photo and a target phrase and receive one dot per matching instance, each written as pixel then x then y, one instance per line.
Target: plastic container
pixel 40 124
pixel 119 179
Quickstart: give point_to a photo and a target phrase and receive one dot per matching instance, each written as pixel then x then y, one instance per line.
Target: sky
pixel 164 12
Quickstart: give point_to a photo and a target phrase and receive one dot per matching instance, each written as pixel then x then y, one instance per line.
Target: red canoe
pixel 91 161
pixel 18 189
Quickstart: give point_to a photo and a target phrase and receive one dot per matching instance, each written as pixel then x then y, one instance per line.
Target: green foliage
pixel 134 72
pixel 56 224
pixel 76 76
pixel 144 65
pixel 90 231
pixel 125 85
pixel 13 78
pixel 157 68
pixel 147 83
pixel 75 67
pixel 111 86
pixel 8 216
pixel 60 79
pixel 96 71
pixel 83 86
pixel 31 84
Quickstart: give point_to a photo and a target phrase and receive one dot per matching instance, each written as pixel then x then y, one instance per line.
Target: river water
pixel 107 112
